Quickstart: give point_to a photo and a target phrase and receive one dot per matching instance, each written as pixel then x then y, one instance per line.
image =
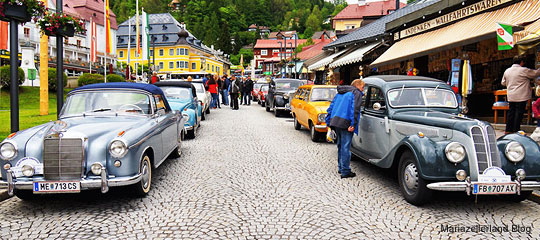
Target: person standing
pixel 235 89
pixel 342 117
pixel 220 88
pixel 536 113
pixel 518 80
pixel 242 90
pixel 212 88
pixel 154 77
pixel 249 89
pixel 225 94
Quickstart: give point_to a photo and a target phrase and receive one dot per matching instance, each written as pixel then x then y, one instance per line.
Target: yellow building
pixel 177 52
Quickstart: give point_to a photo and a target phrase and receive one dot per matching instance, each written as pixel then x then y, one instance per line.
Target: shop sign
pixel 451 17
pixel 505 36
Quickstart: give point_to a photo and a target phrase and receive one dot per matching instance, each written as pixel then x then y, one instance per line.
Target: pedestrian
pixel 216 79
pixel 517 80
pixel 220 82
pixel 204 79
pixel 249 90
pixel 536 113
pixel 235 89
pixel 154 77
pixel 212 86
pixel 226 86
pixel 342 117
pixel 242 90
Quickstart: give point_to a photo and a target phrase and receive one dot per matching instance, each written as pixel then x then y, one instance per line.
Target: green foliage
pixel 90 78
pixel 51 78
pixel 114 78
pixel 309 42
pixel 248 56
pixel 5 76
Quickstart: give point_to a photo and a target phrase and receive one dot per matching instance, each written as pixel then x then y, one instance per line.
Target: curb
pixel 3 195
pixel 535 197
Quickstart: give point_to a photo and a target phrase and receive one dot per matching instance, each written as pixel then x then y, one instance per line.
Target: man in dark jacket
pixel 248 88
pixel 235 89
pixel 343 116
pixel 225 92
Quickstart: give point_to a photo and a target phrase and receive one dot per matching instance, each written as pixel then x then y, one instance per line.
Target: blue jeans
pixel 225 96
pixel 215 100
pixel 344 139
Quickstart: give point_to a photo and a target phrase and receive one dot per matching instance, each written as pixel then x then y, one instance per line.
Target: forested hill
pixel 217 21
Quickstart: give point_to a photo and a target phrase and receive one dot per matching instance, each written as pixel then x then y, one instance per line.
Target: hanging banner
pixel 505 37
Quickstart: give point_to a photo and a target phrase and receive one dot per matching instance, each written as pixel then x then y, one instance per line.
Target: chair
pixel 496 108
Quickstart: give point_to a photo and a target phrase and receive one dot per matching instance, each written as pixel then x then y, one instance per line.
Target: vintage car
pixel 204 98
pixel 263 92
pixel 280 91
pixel 413 124
pixel 308 108
pixel 182 96
pixel 107 135
pixel 256 87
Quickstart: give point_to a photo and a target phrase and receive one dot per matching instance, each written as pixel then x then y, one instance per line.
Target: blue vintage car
pixel 107 135
pixel 413 125
pixel 182 96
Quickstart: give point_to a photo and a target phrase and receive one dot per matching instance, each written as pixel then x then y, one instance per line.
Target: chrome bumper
pixel 320 126
pixel 187 128
pixel 282 108
pixel 102 182
pixel 467 186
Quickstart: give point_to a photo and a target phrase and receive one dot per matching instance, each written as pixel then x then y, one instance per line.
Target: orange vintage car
pixel 309 106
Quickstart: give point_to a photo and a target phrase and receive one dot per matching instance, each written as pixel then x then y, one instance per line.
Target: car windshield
pixel 323 94
pixel 106 101
pixel 257 86
pixel 199 87
pixel 264 88
pixel 288 85
pixel 422 97
pixel 177 93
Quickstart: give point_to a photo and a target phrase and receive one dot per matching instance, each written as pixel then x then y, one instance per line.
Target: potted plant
pixel 53 24
pixel 21 10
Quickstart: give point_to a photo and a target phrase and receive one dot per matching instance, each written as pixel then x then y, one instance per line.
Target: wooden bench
pixel 502 93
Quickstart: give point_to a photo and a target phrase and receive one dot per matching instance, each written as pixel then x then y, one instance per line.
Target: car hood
pixel 437 119
pixel 321 106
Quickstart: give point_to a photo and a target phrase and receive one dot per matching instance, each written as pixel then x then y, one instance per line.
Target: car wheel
pixel 26 195
pixel 178 151
pixel 142 188
pixel 263 104
pixel 315 136
pixel 517 198
pixel 276 112
pixel 203 117
pixel 267 108
pixel 192 133
pixel 208 110
pixel 413 187
pixel 297 125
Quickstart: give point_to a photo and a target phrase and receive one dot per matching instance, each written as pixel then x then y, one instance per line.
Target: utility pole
pixel 59 65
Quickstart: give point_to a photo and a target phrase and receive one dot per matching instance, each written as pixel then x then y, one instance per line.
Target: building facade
pixel 174 51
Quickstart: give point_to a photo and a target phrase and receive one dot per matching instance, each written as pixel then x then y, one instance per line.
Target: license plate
pixel 494 188
pixel 57 187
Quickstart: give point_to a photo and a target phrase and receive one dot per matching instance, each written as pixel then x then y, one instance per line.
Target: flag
pixel 137 27
pixel 4 29
pixel 145 32
pixel 107 24
pixel 93 41
pixel 505 36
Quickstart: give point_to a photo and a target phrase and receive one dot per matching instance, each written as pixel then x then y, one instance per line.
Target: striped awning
pixel 528 38
pixel 354 56
pixel 470 30
pixel 327 60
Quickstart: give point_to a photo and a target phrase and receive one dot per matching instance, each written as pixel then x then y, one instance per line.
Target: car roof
pixel 392 78
pixel 318 86
pixel 396 81
pixel 177 83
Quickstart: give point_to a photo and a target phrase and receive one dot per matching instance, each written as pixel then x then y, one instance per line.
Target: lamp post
pixel 280 54
pixel 59 65
pixel 290 44
pixel 154 53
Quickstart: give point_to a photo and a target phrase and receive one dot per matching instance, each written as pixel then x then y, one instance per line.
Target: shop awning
pixel 470 30
pixel 327 60
pixel 530 40
pixel 353 57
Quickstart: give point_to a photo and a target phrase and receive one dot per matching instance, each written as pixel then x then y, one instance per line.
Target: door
pixel 296 102
pixel 373 139
pixel 304 116
pixel 168 124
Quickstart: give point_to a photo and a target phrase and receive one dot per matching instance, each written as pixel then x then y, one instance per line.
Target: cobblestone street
pixel 250 175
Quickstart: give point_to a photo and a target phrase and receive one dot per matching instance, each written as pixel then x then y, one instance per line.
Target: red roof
pixel 274 43
pixel 355 11
pixel 287 34
pixel 313 50
pixel 92 9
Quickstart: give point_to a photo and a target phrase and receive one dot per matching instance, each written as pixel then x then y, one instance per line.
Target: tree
pixel 224 40
pixel 314 20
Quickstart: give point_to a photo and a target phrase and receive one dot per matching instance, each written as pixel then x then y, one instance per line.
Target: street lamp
pixel 280 54
pixel 290 44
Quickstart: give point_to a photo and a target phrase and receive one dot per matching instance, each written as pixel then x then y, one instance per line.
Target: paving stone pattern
pixel 249 175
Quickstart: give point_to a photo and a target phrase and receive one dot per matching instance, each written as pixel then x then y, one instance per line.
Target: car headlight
pixel 515 152
pixel 118 148
pixel 8 151
pixel 285 96
pixel 455 152
pixel 27 170
pixel 96 168
pixel 322 117
pixel 186 116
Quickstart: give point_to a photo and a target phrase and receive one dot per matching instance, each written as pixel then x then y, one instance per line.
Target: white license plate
pixel 494 188
pixel 57 187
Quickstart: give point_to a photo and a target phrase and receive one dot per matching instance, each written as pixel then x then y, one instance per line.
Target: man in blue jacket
pixel 343 116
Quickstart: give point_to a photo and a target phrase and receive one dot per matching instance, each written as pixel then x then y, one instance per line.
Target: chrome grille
pixel 63 158
pixel 485 146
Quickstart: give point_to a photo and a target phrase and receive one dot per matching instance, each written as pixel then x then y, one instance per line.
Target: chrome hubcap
pixel 410 178
pixel 145 175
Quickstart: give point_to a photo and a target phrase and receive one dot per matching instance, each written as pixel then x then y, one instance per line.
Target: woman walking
pixel 212 88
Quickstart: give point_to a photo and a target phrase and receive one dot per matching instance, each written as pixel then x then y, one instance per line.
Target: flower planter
pixel 15 12
pixel 67 30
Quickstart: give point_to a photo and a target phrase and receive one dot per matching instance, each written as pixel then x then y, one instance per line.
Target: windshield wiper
pixel 101 110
